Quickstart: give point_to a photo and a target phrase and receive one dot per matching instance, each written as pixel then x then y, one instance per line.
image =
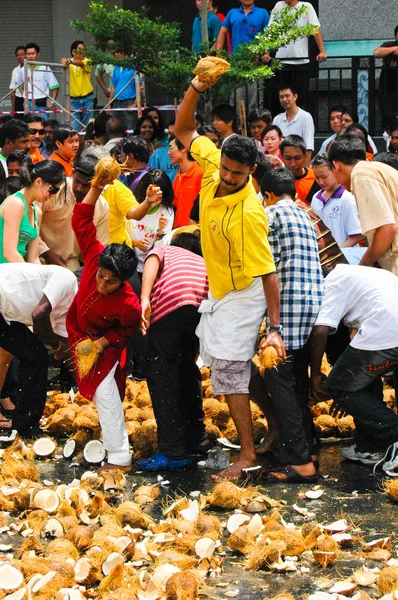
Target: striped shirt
pixel 294 245
pixel 182 280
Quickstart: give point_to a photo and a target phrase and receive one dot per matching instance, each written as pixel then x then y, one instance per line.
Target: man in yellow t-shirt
pixel 242 279
pixel 80 87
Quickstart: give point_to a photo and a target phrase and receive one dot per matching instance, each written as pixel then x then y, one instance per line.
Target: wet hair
pixel 263 165
pixel 50 171
pixel 34 118
pixel 13 184
pixel 135 145
pixel 322 160
pixel 293 140
pixel 162 180
pixel 19 48
pixel 279 181
pixel 12 130
pixel 137 130
pixel 260 115
pixel 115 126
pixel 210 129
pixel 160 132
pixel 63 132
pixel 387 158
pixel 226 113
pixel 75 44
pixel 338 108
pixel 271 128
pixel 188 240
pixel 3 185
pixel 347 149
pixel 287 86
pixel 32 45
pixel 19 156
pixel 241 149
pixel 86 165
pixel 180 146
pixel 120 259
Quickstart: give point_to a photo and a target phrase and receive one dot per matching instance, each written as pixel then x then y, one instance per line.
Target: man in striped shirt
pixel 174 283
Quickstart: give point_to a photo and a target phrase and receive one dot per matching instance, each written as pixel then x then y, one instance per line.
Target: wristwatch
pixel 278 328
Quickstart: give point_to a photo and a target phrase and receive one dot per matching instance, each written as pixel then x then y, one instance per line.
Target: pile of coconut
pixel 86 539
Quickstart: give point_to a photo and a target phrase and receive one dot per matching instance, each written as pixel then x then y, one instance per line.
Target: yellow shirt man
pixel 80 80
pixel 234 228
pixel 121 200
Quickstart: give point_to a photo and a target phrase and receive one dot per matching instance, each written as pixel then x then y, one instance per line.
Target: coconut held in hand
pixel 210 69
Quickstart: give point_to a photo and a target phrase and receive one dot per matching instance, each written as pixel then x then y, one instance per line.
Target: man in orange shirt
pixel 293 151
pixel 66 142
pixel 187 183
pixel 35 123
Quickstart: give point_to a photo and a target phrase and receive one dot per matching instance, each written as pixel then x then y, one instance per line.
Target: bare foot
pixel 266 444
pixel 234 472
pixel 7 404
pixel 5 423
pixel 111 467
pixel 307 470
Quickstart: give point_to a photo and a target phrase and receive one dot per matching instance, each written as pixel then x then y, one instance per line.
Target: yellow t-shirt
pixel 120 199
pixel 79 79
pixel 234 229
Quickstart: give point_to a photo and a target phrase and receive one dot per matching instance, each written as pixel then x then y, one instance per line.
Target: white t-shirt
pixel 302 124
pixel 43 78
pixel 14 81
pixel 299 48
pixel 366 299
pixel 22 286
pixel 147 228
pixel 339 213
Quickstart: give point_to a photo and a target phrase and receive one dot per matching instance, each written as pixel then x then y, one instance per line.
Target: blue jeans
pixel 79 104
pixel 355 383
pixel 38 106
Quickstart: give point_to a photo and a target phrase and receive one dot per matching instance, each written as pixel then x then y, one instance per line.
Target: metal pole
pixel 26 91
pixel 205 33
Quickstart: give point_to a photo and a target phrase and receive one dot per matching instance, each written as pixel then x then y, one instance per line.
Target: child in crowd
pixel 293 149
pixel 335 205
pixel 224 120
pixel 258 120
pixel 173 286
pixel 66 142
pixel 15 160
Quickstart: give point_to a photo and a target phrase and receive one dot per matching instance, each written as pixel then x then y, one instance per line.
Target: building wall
pixel 355 19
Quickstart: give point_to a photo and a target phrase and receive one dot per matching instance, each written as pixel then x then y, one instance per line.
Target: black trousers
pixel 174 381
pixel 355 383
pixel 287 386
pixel 17 339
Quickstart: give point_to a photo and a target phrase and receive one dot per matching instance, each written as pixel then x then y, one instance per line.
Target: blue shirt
pixel 160 159
pixel 244 27
pixel 120 77
pixel 213 27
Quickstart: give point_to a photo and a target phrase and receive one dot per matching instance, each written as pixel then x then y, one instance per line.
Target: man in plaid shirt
pixel 293 242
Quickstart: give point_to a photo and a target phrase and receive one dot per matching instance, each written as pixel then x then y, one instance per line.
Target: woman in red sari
pixel 106 310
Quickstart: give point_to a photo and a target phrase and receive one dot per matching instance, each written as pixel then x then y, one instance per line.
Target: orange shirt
pixel 35 155
pixel 186 187
pixel 306 186
pixel 67 165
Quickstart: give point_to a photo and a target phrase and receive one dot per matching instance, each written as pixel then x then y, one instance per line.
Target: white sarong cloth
pixel 111 417
pixel 228 328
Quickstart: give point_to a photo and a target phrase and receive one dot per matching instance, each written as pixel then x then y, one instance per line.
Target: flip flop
pixel 293 476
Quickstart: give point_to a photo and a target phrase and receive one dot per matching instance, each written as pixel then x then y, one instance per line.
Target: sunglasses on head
pixel 34 131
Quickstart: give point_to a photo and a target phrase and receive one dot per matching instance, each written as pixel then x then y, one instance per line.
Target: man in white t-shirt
pixel 295 56
pixel 38 296
pixel 295 120
pixel 44 81
pixel 16 94
pixel 366 300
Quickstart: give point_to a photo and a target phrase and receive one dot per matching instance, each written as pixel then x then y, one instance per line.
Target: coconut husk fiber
pixel 86 351
pixel 106 171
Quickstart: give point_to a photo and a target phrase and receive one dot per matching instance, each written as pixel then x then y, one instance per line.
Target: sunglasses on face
pixel 35 131
pixel 53 189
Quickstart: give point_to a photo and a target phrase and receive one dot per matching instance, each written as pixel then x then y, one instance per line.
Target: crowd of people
pixel 205 233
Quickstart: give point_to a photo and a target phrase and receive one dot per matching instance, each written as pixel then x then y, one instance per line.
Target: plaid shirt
pixel 294 245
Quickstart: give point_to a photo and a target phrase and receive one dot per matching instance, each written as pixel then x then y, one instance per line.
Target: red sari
pixel 93 315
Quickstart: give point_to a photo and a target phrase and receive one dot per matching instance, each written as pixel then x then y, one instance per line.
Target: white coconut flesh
pixel 54 528
pixel 69 448
pixel 82 569
pixel 18 595
pixel 10 577
pixel 255 525
pixel 43 581
pixel 47 500
pixel 236 521
pixel 44 447
pixel 205 547
pixel 113 559
pixel 162 574
pixel 94 452
pixel 80 492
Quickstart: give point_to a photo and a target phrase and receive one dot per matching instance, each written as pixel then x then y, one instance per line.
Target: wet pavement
pixel 351 491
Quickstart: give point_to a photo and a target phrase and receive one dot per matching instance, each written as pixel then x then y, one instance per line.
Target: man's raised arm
pixel 185 129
